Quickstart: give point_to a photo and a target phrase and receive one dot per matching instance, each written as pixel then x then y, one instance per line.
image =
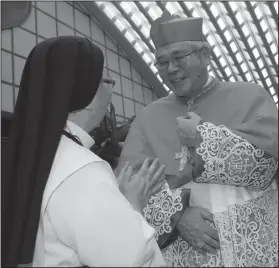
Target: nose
pixel 172 67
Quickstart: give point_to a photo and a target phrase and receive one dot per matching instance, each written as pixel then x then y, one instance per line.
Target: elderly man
pixel 219 143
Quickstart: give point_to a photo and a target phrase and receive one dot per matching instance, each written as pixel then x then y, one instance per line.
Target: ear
pixel 206 52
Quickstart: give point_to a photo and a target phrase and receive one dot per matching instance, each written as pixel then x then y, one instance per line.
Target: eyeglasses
pixel 109 83
pixel 176 60
pixel 108 80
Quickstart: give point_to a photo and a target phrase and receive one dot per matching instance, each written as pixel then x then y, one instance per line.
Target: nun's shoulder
pixel 71 152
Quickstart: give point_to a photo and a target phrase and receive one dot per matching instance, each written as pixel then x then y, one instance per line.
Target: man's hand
pixel 193 228
pixel 187 128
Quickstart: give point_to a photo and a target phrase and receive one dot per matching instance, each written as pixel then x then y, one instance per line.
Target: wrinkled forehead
pixel 172 48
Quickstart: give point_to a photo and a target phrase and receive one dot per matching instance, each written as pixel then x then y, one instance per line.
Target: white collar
pixel 208 81
pixel 86 140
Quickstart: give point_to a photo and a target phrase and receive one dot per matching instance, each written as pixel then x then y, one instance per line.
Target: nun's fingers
pixel 143 170
pixel 125 184
pixel 122 172
pixel 152 170
pixel 156 188
pixel 158 176
pixel 128 174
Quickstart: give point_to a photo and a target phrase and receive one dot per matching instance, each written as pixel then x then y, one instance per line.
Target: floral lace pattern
pixel 161 207
pixel 248 236
pixel 230 159
pixel 181 254
pixel 249 233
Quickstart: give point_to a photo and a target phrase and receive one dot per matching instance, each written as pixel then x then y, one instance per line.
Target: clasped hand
pixel 194 229
pixel 139 188
pixel 187 128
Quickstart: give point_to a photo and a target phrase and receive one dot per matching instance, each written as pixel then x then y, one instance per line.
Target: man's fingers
pixel 179 119
pixel 205 247
pixel 187 115
pixel 209 249
pixel 210 231
pixel 200 250
pixel 211 242
pixel 192 243
pixel 207 215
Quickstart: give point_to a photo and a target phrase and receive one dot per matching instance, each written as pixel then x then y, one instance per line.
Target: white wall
pixel 49 19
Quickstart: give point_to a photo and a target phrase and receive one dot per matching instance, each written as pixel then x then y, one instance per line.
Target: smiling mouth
pixel 177 80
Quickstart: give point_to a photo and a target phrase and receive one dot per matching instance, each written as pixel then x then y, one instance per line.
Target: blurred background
pixel 49 19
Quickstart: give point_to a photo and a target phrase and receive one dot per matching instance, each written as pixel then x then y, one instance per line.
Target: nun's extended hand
pixel 139 188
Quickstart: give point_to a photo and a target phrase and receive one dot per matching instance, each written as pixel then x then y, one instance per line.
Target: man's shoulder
pixel 153 110
pixel 244 89
pixel 241 87
pixel 161 102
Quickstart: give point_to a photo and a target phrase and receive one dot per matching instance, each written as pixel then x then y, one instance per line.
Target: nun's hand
pixel 139 188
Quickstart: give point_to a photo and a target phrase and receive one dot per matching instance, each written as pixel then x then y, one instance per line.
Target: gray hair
pixel 200 45
pixel 196 45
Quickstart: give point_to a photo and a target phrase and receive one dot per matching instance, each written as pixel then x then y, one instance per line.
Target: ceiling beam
pixel 144 12
pixel 227 45
pixel 243 38
pixel 135 27
pixel 261 33
pixel 125 45
pixel 161 5
pixel 214 57
pixel 273 11
pixel 239 48
pixel 265 45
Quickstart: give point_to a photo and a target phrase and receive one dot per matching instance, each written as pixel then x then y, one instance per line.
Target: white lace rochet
pixel 248 232
pixel 231 160
pixel 161 207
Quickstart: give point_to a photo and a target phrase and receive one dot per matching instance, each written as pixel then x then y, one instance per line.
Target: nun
pixel 61 203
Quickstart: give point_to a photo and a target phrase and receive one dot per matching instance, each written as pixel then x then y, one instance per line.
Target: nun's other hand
pixel 139 188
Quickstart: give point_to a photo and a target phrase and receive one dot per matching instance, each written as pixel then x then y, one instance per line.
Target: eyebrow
pixel 162 57
pixel 108 80
pixel 181 51
pixel 175 52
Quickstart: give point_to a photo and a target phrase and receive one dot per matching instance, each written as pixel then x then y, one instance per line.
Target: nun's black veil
pixel 61 75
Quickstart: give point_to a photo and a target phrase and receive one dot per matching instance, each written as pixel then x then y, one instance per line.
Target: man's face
pixel 182 74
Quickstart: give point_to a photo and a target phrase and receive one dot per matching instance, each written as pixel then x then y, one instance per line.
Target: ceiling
pixel 243 36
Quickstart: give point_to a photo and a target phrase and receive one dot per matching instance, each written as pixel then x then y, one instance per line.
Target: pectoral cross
pixel 190 103
pixel 183 156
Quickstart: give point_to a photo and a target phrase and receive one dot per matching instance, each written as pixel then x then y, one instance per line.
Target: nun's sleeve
pixel 89 214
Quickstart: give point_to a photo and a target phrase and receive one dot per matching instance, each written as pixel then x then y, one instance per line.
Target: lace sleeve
pixel 225 158
pixel 164 210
